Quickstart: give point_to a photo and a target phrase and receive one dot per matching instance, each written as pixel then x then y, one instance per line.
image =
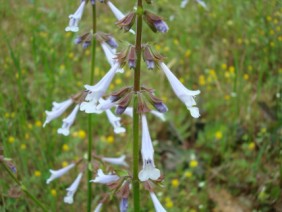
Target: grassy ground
pixel 228 160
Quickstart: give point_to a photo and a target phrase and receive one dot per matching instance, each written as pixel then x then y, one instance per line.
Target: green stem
pixel 135 150
pixel 90 138
pixel 24 189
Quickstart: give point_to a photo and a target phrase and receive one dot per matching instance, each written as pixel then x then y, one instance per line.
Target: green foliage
pixel 231 52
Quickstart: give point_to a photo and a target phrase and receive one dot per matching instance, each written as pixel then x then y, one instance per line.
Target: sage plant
pixel 134 100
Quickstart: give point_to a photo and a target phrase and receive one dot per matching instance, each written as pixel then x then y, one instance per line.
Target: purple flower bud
pixel 78 40
pixel 120 110
pixel 123 205
pixel 161 26
pixel 150 64
pixel 92 2
pixel 112 42
pixel 86 44
pixel 161 107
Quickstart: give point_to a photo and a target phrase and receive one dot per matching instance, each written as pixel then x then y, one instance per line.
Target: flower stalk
pixel 136 117
pixel 90 138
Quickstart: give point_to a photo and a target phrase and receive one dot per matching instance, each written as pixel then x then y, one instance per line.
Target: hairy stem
pixel 135 151
pixel 24 189
pixel 90 138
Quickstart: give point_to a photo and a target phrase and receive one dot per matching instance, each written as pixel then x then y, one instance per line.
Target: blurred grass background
pixel 227 160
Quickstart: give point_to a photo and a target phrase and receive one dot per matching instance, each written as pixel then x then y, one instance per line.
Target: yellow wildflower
pixel 188 174
pixel 175 183
pixel 71 55
pixel 188 53
pixel 23 146
pixel 26 136
pixel 223 66
pixel 118 81
pixel 65 148
pixel 7 115
pixel 38 123
pixel 81 134
pixel 250 68
pixel 218 135
pixel 110 139
pixel 11 139
pixel 269 18
pixel 246 76
pixel 168 202
pixel 87 52
pixel 227 97
pixel 37 173
pixel 176 42
pixel 13 115
pixel 181 79
pixel 202 80
pixel 251 146
pixel 232 69
pixel 193 163
pixel 53 192
pixel 65 163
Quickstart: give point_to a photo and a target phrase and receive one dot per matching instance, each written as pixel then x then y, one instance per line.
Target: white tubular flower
pixel 58 173
pixel 158 206
pixel 105 178
pixel 67 122
pixel 184 94
pixel 57 110
pixel 149 171
pixel 75 18
pixel 115 122
pixel 72 189
pixel 161 116
pixel 95 92
pixel 98 208
pixel 116 161
pixel 110 55
pixel 117 13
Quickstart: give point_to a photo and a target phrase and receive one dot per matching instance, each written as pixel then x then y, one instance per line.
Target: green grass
pixel 232 53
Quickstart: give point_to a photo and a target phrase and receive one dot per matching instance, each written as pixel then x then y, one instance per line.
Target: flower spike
pixel 149 171
pixel 72 189
pixel 75 18
pixel 184 94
